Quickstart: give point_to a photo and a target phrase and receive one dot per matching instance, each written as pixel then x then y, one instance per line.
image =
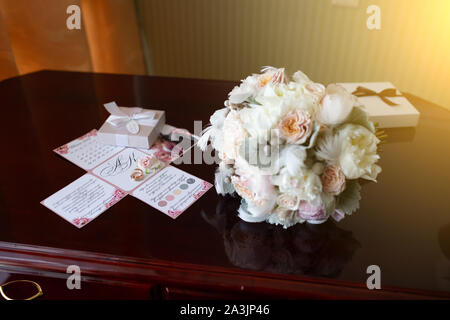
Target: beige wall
pixel 227 39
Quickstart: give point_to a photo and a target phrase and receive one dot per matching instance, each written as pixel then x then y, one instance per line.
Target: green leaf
pixel 328 202
pixel 252 100
pixel 348 200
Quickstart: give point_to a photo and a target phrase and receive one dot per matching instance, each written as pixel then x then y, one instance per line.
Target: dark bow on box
pixel 383 95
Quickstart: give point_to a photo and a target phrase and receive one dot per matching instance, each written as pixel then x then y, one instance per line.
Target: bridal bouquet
pixel 293 150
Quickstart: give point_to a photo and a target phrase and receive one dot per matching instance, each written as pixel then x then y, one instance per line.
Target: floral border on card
pixel 117 196
pixel 92 133
pixel 205 187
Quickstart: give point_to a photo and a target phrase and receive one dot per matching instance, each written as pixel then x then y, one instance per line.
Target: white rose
pixel 359 152
pixel 336 105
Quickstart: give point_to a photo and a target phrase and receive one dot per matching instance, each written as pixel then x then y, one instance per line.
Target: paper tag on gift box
pixel 388 108
pixel 131 127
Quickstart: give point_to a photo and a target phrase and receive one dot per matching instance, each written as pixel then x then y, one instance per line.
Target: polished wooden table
pixel 135 251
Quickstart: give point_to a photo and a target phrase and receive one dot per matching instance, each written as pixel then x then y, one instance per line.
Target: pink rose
pixel 333 180
pixel 295 127
pixel 311 213
pixel 146 162
pixel 163 156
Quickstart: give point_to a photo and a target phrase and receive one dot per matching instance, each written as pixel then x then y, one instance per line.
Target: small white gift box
pixel 384 104
pixel 131 127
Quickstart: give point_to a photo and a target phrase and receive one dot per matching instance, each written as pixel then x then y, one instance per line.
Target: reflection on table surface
pixel 319 250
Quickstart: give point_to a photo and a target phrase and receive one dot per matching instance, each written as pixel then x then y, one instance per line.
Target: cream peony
pixel 358 152
pixel 336 105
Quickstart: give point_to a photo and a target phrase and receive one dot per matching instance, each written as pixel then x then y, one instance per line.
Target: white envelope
pixel 401 115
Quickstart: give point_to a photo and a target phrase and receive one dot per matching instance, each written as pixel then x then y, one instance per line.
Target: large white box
pixel 401 115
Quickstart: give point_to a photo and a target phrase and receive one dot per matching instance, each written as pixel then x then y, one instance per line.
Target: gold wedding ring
pixel 38 287
pixel 137 175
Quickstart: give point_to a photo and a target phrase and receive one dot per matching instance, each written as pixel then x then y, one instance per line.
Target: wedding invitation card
pixel 172 191
pixel 86 151
pixel 83 200
pixel 164 187
pixel 117 170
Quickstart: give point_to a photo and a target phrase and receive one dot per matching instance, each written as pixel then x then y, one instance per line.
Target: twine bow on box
pixel 132 121
pixel 383 95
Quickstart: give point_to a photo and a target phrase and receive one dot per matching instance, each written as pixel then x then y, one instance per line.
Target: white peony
pixel 353 148
pixel 258 192
pixel 305 184
pixel 287 97
pixel 258 121
pixel 336 105
pixel 358 152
